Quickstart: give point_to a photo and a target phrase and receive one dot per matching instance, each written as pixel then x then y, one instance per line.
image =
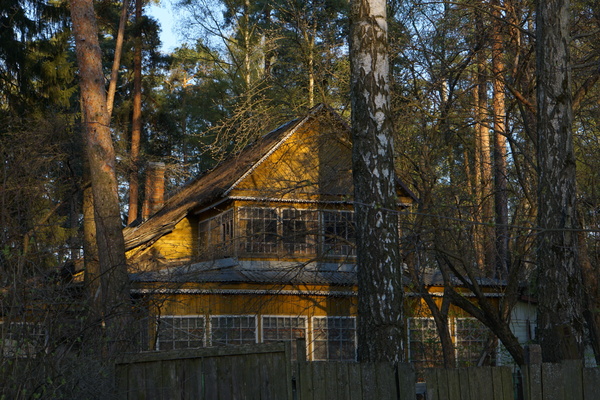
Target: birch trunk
pixel 560 327
pixel 380 292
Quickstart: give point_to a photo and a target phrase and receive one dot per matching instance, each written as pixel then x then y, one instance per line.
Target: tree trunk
pixel 499 112
pixel 114 288
pixel 136 121
pixel 114 73
pixel 560 327
pixel 380 292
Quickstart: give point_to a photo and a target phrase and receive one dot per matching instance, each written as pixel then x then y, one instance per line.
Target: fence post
pixel 532 372
pixel 303 372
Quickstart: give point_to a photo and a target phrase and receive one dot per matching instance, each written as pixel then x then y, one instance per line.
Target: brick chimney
pixel 154 197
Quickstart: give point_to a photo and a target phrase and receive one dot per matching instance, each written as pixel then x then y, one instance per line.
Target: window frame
pixel 315 340
pixel 291 339
pixel 174 340
pixel 237 342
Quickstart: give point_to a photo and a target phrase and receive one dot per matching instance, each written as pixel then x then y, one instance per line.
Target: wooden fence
pixel 566 381
pixel 264 372
pixel 489 383
pixel 354 381
pixel 217 373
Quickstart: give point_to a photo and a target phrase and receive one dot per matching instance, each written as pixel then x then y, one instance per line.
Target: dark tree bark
pixel 380 292
pixel 113 297
pixel 136 121
pixel 499 112
pixel 560 326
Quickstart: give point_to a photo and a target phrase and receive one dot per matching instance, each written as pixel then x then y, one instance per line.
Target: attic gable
pixel 313 162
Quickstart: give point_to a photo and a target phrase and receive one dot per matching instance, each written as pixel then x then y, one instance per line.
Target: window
pixel 277 329
pixel 298 231
pixel 176 332
pixel 471 337
pixel 21 339
pixel 232 330
pixel 338 233
pixel 216 235
pixel 425 347
pixel 334 338
pixel 259 227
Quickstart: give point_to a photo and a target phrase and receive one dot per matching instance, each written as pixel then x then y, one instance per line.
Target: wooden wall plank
pixel 532 381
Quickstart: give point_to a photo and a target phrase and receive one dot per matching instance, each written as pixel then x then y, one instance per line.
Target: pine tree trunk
pixel 136 120
pixel 560 326
pixel 114 288
pixel 380 292
pixel 499 112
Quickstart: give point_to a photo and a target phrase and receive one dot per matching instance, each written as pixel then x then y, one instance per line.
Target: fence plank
pixel 431 381
pixel 552 382
pixel 465 384
pixel 343 380
pixel 591 383
pixel 532 381
pixel 369 381
pixel 406 382
pixel 319 384
pixel 304 383
pixel 441 375
pixel 192 368
pixel 211 387
pixel 453 383
pixel 355 381
pixel 386 381
pixel 572 374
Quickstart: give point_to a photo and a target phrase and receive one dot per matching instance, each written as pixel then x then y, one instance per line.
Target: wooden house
pixel 260 248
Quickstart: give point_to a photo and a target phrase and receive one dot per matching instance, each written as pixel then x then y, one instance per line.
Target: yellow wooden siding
pixel 314 163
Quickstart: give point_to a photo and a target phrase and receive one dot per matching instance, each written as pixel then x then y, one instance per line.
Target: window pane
pixel 334 338
pixel 176 332
pixel 425 347
pixel 471 337
pixel 233 330
pixel 338 233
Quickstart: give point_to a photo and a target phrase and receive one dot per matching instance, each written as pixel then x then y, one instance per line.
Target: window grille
pixel 334 338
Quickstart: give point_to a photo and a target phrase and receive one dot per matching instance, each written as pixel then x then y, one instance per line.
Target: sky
pixel 165 16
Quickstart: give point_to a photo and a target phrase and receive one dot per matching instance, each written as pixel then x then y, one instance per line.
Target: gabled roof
pixel 214 185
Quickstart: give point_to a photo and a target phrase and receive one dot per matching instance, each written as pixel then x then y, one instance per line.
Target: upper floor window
pixel 278 231
pixel 216 235
pixel 339 236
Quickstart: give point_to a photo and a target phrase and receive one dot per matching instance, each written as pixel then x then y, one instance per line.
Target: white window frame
pixel 237 342
pixel 172 328
pixel 410 341
pixel 315 340
pixel 289 339
pixel 458 343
